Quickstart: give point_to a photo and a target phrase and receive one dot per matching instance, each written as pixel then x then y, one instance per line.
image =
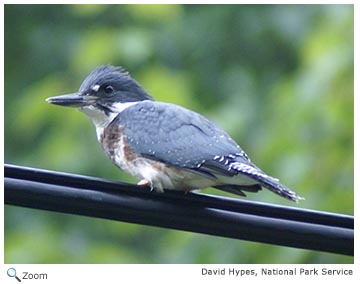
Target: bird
pixel 165 146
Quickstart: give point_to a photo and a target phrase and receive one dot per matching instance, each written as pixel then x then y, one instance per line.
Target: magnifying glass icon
pixel 11 272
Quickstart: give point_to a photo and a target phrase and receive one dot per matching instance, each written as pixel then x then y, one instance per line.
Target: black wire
pixel 219 216
pixel 236 205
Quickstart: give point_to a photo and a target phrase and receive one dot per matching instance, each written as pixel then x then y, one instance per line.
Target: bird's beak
pixel 71 100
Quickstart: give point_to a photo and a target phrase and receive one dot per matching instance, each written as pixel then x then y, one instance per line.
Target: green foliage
pixel 278 78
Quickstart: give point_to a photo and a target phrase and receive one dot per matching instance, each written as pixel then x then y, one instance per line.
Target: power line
pixel 214 215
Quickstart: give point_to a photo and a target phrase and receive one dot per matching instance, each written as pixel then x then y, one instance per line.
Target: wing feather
pixel 179 137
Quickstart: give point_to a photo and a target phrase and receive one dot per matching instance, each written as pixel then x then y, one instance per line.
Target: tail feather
pixel 238 189
pixel 266 181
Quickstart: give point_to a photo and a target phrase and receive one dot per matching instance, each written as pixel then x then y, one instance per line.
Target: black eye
pixel 109 89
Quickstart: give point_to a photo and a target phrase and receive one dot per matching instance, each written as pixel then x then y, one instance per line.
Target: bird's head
pixel 105 87
pixel 105 92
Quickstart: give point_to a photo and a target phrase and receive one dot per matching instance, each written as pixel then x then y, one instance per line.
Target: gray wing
pixel 179 137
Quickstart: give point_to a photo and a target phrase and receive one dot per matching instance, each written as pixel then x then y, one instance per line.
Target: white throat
pixel 102 120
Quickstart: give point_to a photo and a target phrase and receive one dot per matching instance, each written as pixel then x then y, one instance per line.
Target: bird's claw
pixel 145 182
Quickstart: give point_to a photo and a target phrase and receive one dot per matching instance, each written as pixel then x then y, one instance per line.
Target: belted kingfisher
pixel 164 145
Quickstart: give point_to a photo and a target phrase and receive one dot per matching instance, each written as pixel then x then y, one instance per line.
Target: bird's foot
pixel 145 182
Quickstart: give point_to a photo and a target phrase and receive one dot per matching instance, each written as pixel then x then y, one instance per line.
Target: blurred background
pixel 278 78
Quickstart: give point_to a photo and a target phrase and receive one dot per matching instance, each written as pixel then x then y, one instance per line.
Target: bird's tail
pixel 239 189
pixel 266 181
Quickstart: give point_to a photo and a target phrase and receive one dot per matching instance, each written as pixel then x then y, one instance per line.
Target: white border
pixel 179 273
